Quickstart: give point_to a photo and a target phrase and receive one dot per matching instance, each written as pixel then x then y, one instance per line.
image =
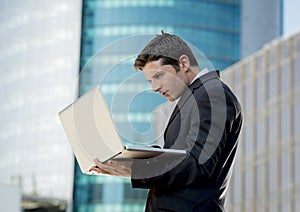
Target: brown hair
pixel 169 48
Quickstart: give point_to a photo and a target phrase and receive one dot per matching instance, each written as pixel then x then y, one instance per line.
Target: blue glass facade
pixel 211 26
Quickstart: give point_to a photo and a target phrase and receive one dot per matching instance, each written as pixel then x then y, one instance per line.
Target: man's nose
pixel 155 86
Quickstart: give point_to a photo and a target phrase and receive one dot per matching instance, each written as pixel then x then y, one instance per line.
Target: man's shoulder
pixel 209 80
pixel 205 78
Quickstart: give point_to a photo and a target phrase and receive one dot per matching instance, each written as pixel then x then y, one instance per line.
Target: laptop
pixel 92 134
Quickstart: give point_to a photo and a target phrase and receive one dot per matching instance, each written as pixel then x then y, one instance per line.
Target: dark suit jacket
pixel 206 122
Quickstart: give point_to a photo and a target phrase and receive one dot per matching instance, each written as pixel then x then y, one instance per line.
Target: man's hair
pixel 142 60
pixel 169 48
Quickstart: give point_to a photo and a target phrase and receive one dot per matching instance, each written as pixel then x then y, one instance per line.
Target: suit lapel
pixel 184 97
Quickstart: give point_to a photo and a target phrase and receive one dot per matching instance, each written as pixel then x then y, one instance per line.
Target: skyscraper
pixel 40 47
pixel 258 26
pixel 266 175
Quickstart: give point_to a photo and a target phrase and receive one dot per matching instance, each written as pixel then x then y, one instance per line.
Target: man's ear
pixel 184 63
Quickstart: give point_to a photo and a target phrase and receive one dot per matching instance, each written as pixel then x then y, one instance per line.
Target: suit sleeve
pixel 204 140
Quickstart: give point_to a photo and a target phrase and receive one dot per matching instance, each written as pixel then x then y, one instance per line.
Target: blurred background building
pixel 44 45
pixel 258 26
pixel 266 175
pixel 39 64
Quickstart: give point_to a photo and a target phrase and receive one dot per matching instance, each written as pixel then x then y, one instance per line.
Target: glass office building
pixel 39 54
pixel 266 175
pixel 211 26
pixel 258 26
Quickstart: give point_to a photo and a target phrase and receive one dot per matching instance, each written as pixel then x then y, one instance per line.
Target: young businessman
pixel 206 122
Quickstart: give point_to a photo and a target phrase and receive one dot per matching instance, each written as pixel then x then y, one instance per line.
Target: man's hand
pixel 113 167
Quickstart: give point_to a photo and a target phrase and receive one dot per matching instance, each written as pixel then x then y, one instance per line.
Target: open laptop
pixel 92 134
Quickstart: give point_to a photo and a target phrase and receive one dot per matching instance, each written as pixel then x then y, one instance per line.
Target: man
pixel 206 122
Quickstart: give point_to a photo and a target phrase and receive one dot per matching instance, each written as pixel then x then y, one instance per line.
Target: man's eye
pixel 159 75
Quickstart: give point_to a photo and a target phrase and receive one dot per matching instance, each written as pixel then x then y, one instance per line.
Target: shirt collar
pixel 202 72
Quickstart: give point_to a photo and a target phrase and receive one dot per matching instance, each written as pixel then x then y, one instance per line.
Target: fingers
pixel 112 168
pixel 97 162
pixel 97 170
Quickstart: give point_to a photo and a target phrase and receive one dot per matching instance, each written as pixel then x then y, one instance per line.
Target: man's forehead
pixel 150 72
pixel 152 66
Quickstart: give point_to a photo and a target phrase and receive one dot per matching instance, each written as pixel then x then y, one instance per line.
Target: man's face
pixel 165 80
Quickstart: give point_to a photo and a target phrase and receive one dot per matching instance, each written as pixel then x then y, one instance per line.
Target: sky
pixel 291 17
